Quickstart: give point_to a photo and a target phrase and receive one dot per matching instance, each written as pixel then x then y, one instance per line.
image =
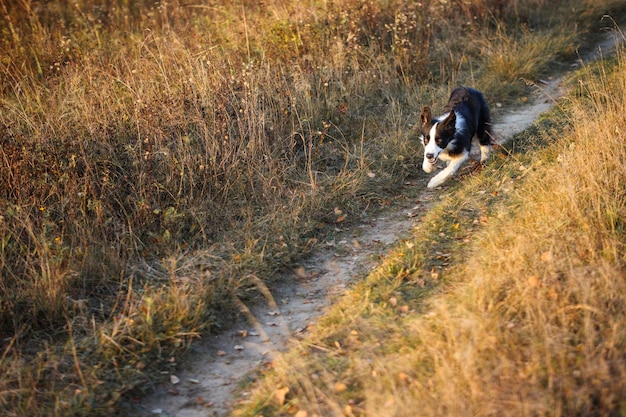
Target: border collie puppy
pixel 449 136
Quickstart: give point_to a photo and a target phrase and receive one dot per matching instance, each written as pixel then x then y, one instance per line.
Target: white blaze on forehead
pixel 432 147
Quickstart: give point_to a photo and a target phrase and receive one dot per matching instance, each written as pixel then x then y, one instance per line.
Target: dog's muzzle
pixel 431 158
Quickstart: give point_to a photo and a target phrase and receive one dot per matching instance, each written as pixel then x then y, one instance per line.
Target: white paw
pixel 435 182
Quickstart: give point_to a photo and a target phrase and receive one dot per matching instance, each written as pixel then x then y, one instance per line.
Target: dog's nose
pixel 430 156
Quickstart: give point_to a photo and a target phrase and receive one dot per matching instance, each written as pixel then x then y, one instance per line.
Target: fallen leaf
pixel 239 347
pixel 553 294
pixel 533 281
pixel 340 387
pixel 174 379
pixel 393 301
pixel 201 401
pixel 194 380
pixel 434 273
pixel 280 395
pixel 301 273
pixel 221 353
pixel 301 413
pixel 546 257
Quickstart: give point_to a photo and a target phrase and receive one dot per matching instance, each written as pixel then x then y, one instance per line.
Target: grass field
pixel 159 161
pixel 524 313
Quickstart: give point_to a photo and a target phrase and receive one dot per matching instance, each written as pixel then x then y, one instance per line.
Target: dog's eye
pixel 426 139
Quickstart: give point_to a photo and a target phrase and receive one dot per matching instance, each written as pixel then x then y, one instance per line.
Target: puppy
pixel 449 136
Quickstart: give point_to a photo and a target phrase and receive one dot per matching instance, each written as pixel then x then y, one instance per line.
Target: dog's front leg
pixel 484 153
pixel 453 166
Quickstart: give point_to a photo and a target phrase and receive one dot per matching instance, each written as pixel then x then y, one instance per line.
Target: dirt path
pixel 208 384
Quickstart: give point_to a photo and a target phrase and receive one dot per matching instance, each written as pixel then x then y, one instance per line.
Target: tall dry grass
pixel 159 159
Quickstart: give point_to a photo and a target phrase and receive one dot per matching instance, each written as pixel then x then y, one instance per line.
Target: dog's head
pixel 435 136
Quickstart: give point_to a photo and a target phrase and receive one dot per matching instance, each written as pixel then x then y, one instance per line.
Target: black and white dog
pixel 449 136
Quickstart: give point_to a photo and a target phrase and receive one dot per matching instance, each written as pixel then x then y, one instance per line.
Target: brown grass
pixel 160 160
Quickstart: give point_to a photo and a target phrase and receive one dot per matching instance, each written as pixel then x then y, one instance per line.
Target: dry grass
pixel 510 299
pixel 160 160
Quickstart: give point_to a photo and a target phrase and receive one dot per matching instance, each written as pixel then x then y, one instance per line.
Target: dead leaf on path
pixel 301 273
pixel 238 347
pixel 202 402
pixel 174 379
pixel 280 395
pixel 301 413
pixel 393 301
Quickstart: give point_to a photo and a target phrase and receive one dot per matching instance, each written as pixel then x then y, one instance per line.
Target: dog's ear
pixel 426 116
pixel 448 124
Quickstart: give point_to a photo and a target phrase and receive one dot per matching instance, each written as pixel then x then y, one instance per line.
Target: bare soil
pixel 207 384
